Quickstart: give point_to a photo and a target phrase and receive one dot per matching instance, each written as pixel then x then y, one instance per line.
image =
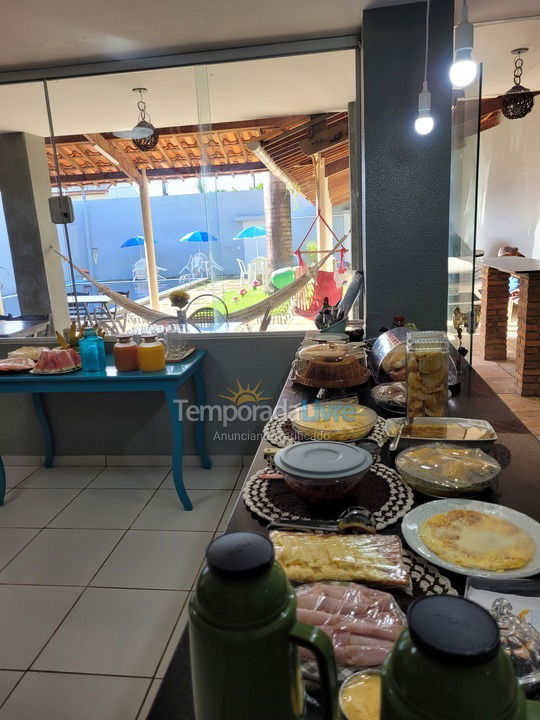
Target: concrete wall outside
pixel 109 222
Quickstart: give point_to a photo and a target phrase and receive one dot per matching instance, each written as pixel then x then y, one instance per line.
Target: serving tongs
pixel 353 520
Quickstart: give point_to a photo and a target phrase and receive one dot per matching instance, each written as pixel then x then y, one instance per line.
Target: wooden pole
pixel 149 249
pixel 324 207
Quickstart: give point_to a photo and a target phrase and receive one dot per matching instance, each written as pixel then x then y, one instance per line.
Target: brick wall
pixel 528 341
pixel 494 315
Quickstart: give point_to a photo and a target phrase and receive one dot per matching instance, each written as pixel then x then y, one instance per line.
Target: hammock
pixel 264 307
pixel 325 283
pixel 325 287
pixel 130 305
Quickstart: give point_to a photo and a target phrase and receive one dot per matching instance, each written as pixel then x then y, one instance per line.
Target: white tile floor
pixel 96 567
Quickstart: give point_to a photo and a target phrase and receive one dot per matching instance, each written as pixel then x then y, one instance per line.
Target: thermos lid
pixel 454 630
pixel 240 555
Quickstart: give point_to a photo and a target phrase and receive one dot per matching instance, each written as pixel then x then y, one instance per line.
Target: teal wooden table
pixel 167 381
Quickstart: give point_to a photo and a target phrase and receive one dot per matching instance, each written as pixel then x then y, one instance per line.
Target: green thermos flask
pixel 244 637
pixel 449 665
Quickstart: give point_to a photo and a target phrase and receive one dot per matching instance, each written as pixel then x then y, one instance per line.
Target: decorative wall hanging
pixel 519 100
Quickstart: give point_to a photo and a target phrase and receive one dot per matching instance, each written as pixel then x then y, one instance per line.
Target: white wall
pixel 509 185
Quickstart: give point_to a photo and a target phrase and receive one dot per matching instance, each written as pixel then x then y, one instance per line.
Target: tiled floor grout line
pixel 39 531
pixel 39 653
pixel 84 588
pixel 67 672
pixel 45 527
pixel 138 716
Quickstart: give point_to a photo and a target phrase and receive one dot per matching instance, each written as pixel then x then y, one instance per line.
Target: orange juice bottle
pixel 151 354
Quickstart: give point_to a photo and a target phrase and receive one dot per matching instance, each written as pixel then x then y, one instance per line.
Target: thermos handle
pixel 314 640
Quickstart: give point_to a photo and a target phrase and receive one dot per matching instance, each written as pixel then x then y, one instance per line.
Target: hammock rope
pixel 247 314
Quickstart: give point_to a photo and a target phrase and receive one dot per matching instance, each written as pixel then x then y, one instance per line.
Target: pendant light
pixel 424 122
pixel 463 70
pixel 519 100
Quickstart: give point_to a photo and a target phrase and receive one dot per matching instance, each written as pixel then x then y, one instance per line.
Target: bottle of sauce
pixel 92 349
pixel 151 354
pixel 126 353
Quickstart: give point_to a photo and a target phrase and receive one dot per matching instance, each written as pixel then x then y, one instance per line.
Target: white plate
pixel 414 519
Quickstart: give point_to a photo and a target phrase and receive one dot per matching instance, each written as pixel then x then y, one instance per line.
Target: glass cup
pixel 175 345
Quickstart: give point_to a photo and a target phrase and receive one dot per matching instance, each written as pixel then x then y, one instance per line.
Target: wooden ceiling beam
pixel 84 152
pixel 331 168
pixel 155 173
pixel 125 164
pixel 269 124
pixel 325 137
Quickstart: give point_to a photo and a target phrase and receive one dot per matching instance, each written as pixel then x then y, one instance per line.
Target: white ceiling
pixel 237 91
pixel 492 46
pixel 68 31
pixel 277 87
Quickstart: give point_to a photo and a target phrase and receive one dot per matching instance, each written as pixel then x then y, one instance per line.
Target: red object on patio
pixel 325 283
pixel 325 286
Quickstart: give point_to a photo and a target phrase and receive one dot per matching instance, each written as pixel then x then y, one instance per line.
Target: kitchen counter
pixel 518 489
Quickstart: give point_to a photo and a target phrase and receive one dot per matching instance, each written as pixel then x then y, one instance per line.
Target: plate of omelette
pixel 474 538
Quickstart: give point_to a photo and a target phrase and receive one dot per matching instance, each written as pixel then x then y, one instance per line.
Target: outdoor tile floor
pixel 96 569
pixel 499 376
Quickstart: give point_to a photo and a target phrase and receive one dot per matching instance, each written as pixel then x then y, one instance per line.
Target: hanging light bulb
pixel 464 69
pixel 424 122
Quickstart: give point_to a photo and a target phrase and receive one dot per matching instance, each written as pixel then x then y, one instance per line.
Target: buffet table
pixel 517 489
pixel 167 381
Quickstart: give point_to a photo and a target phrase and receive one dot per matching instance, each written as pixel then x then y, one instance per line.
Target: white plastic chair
pixel 257 270
pixel 243 270
pixel 140 271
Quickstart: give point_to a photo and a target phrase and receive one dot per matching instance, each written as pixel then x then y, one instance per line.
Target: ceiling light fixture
pixel 424 122
pixel 519 100
pixel 144 134
pixel 464 69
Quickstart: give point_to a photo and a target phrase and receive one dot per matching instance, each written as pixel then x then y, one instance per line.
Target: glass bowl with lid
pixel 446 470
pixel 341 421
pixel 320 471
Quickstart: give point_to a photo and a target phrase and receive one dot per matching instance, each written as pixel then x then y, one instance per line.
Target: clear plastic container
pixel 443 470
pixel 427 374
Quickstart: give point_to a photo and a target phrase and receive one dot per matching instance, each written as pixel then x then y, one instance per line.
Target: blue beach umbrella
pixel 135 241
pixel 253 231
pixel 198 236
pixel 250 232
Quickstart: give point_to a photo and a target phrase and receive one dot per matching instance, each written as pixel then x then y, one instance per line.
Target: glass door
pixel 463 275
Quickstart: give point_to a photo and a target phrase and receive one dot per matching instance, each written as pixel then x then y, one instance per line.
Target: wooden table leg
pixel 200 399
pixel 494 315
pixel 2 482
pixel 178 449
pixel 39 407
pixel 528 339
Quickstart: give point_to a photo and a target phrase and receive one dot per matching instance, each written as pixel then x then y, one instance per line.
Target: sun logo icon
pixel 246 394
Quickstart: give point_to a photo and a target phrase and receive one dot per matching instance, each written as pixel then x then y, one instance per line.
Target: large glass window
pixel 238 193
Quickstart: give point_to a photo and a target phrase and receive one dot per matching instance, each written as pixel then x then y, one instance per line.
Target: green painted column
pixel 25 189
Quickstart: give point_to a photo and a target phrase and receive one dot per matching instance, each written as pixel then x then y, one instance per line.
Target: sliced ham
pixel 361 622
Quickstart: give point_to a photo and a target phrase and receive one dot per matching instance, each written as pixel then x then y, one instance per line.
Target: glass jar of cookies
pixel 427 374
